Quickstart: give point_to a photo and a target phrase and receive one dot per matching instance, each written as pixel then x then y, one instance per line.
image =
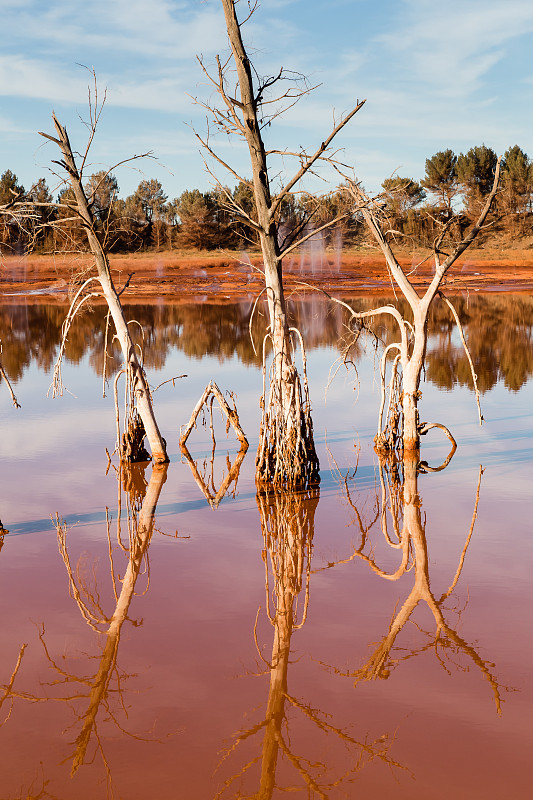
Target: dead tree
pixel 205 478
pixel 81 209
pixel 286 454
pixel 402 428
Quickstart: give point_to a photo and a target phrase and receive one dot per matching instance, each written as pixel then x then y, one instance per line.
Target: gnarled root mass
pixel 286 456
pixel 133 448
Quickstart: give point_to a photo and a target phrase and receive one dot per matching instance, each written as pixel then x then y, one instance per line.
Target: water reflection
pixel 103 690
pixel 289 723
pixel 498 329
pixel 403 528
pixel 203 473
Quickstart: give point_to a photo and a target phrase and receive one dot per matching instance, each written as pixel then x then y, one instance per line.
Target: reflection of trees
pixel 403 527
pixel 142 501
pixel 102 692
pixel 7 695
pixel 498 329
pixel 287 522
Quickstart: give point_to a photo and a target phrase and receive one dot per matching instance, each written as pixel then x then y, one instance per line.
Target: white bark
pixel 140 384
pixel 412 357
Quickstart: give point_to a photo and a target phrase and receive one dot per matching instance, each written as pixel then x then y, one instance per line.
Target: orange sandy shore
pixel 176 276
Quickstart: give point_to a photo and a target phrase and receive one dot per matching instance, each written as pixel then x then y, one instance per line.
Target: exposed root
pixel 130 444
pixel 133 448
pixel 286 456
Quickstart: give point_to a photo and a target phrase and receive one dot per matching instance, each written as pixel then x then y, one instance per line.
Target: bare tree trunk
pixel 412 371
pixel 291 457
pixel 411 348
pixel 140 386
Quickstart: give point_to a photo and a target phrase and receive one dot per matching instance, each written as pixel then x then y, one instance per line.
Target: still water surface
pixel 153 645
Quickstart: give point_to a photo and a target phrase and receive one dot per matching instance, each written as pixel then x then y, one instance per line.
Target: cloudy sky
pixel 434 75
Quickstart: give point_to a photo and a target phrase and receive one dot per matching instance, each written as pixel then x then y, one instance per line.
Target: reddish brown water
pixel 277 643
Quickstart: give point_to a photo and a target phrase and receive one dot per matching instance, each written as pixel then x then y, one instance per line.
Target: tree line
pixel 452 192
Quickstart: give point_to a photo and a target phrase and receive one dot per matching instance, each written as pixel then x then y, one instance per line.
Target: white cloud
pixel 39 79
pixel 26 77
pixel 452 47
pixel 433 75
pixel 161 28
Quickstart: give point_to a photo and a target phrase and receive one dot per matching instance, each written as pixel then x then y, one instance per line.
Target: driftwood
pixel 213 495
pixel 212 391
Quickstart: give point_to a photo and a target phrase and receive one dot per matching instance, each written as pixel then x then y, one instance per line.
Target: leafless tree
pixel 402 427
pixel 80 208
pixel 286 454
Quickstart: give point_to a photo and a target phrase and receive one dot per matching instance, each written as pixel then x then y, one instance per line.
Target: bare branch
pixel 443 268
pixel 310 160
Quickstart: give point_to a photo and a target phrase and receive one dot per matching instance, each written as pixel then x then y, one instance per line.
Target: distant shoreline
pixel 172 275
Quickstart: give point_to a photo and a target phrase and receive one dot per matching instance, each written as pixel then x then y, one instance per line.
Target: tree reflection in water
pixel 287 524
pixel 498 329
pixel 404 529
pixel 7 690
pixel 104 689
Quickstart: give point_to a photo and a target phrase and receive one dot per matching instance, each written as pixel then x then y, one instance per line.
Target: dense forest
pixel 452 191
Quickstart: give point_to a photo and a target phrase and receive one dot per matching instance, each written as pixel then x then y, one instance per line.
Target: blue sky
pixel 435 75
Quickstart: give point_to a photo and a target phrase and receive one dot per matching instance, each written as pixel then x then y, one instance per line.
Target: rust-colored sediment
pixel 173 275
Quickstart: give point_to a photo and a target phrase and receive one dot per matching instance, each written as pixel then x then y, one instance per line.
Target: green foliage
pixel 199 220
pixel 402 193
pixel 101 190
pixel 475 170
pixel 151 199
pixel 441 176
pixel 9 187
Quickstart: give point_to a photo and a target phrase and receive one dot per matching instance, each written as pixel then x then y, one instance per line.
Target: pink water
pixel 179 709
